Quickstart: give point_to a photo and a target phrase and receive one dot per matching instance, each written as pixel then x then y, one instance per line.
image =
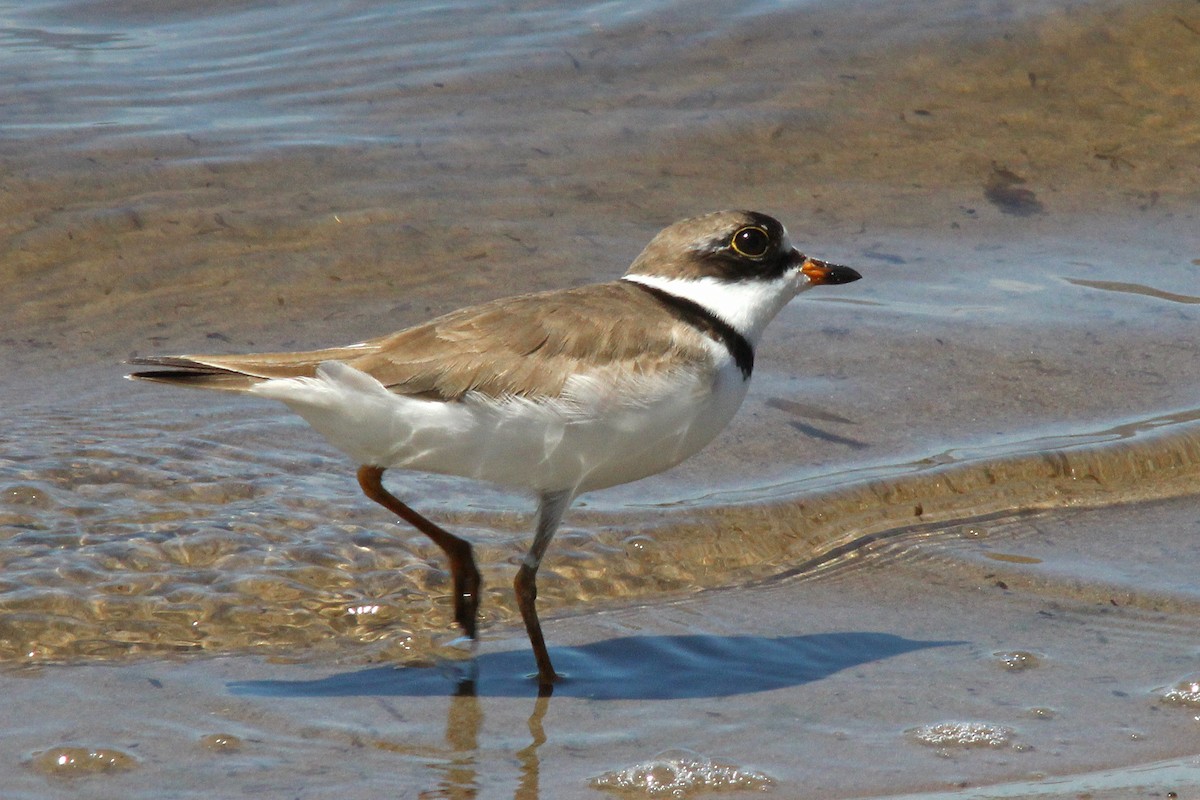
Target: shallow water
pixel 940 661
pixel 1018 186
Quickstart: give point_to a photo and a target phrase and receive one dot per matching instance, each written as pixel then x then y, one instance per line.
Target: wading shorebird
pixel 556 393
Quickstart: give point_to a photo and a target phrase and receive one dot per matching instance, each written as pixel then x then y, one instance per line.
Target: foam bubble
pixel 67 760
pixel 962 734
pixel 1184 693
pixel 680 773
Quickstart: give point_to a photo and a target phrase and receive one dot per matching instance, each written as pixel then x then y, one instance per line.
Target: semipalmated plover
pixel 557 393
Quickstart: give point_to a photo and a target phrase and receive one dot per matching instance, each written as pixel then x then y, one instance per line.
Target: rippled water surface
pixel 978 463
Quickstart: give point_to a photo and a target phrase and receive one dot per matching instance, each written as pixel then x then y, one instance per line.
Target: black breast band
pixel 707 323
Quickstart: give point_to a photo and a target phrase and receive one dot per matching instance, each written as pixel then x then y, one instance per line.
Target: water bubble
pixel 962 734
pixel 221 742
pixel 680 773
pixel 25 495
pixel 638 544
pixel 1017 660
pixel 68 760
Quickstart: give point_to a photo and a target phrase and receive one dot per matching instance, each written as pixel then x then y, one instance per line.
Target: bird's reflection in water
pixel 527 789
pixel 649 669
pixel 464 719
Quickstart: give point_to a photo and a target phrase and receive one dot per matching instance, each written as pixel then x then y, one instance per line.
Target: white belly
pixel 597 435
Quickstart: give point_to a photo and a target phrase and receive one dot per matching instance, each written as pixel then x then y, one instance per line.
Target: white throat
pixel 746 305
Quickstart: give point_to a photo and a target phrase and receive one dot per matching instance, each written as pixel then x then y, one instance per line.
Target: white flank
pixel 598 433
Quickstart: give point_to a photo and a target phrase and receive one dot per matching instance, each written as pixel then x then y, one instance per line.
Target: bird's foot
pixel 457 660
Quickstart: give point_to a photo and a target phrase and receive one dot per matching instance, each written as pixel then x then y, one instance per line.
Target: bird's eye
pixel 750 242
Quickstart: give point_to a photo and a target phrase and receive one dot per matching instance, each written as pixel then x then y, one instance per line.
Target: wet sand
pixel 976 464
pixel 817 684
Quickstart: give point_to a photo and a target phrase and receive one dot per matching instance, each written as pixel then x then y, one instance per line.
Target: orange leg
pixel 463 571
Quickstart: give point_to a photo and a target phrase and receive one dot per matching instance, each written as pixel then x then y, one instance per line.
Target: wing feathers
pixel 481 349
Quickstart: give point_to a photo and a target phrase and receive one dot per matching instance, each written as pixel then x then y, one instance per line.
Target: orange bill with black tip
pixel 822 272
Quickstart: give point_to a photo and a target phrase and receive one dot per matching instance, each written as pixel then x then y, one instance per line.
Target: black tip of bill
pixel 822 273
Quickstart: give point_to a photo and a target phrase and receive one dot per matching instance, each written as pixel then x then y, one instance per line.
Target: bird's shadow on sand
pixel 626 668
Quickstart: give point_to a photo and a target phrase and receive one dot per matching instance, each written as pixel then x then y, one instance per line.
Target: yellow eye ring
pixel 751 242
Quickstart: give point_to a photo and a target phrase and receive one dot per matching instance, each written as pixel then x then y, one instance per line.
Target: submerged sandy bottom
pixel 959 501
pixel 815 687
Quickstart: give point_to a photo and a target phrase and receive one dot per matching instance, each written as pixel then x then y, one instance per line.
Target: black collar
pixel 707 323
